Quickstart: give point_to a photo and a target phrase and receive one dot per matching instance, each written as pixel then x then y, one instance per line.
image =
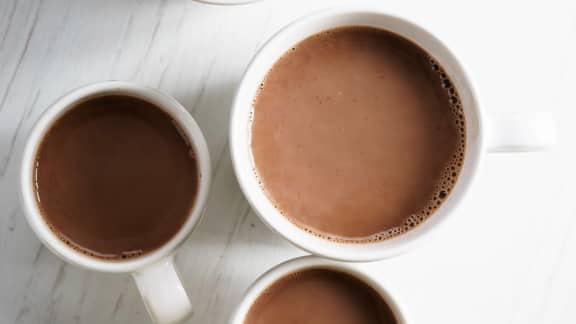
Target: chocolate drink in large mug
pixel 357 135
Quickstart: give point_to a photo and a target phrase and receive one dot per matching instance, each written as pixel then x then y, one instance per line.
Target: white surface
pixel 509 256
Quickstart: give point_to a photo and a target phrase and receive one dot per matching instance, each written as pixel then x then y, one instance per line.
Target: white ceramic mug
pixel 227 2
pixel 154 272
pixel 306 263
pixel 506 132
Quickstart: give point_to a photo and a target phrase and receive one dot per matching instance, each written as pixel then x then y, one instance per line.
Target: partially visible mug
pixel 156 277
pixel 227 2
pixel 306 263
pixel 510 132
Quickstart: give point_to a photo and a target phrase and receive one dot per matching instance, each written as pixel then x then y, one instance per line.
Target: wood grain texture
pixel 508 256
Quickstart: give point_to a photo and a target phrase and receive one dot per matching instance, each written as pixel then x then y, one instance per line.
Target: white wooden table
pixel 508 256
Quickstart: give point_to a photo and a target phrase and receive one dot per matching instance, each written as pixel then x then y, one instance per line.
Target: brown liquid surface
pixel 115 178
pixel 357 134
pixel 320 296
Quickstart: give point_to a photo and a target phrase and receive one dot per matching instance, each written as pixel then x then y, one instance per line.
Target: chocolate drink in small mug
pixel 357 135
pixel 115 178
pixel 320 296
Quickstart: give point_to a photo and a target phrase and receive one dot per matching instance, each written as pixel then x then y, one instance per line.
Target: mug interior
pixel 186 125
pixel 303 264
pixel 241 130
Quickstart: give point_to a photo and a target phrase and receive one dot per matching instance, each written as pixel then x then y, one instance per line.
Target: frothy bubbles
pixel 101 256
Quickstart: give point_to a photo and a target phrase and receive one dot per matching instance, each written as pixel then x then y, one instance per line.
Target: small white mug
pixel 305 263
pixel 501 133
pixel 155 275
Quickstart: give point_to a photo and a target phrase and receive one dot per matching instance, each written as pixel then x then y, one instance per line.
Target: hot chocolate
pixel 320 296
pixel 357 134
pixel 115 177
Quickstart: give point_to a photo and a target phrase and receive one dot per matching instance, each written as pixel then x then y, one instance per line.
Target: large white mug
pixel 306 263
pixel 499 133
pixel 155 275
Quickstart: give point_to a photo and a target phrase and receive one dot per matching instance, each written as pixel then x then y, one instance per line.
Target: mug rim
pixel 69 101
pixel 242 159
pixel 309 262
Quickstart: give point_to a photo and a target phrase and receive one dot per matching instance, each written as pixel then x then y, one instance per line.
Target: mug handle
pixel 163 292
pixel 521 132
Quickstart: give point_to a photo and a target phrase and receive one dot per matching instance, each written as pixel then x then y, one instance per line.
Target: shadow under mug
pixel 312 262
pixel 499 133
pixel 156 277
